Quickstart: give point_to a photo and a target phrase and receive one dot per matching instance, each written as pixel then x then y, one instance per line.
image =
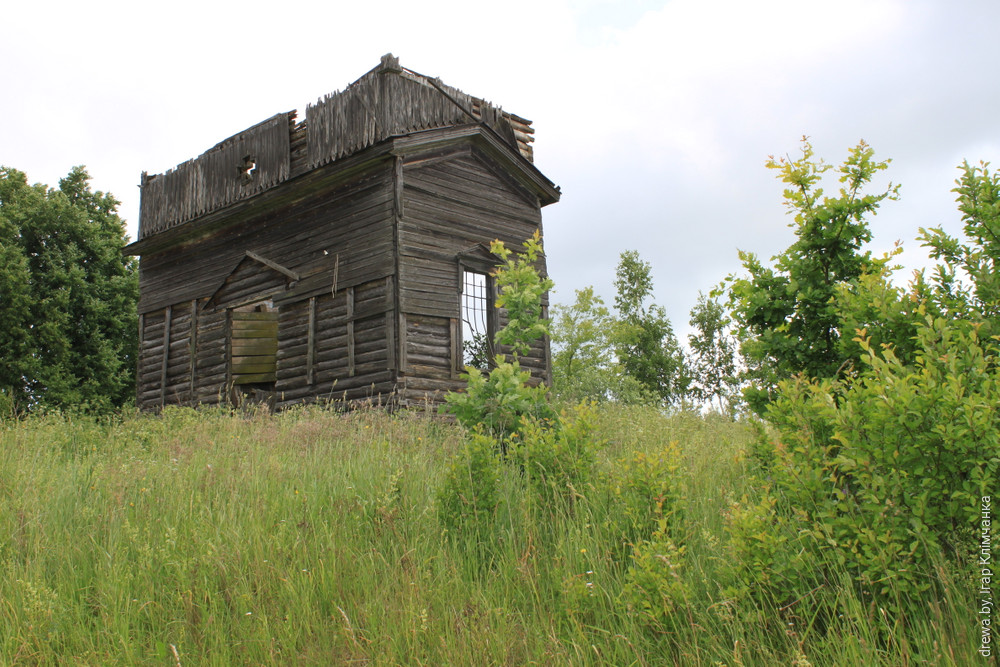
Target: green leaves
pixel 643 337
pixel 496 402
pixel 786 315
pixel 521 289
pixel 978 192
pixel 886 469
pixel 582 364
pixel 68 332
pixel 712 363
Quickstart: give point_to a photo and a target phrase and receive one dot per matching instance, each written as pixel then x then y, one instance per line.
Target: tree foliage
pixel 787 314
pixel 68 332
pixel 498 401
pixel 583 367
pixel 521 289
pixel 881 471
pixel 712 361
pixel 977 258
pixel 644 340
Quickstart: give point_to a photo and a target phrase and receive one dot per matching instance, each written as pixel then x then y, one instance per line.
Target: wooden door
pixel 254 347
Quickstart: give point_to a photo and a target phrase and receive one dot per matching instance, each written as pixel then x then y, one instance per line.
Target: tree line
pixel 812 311
pixel 881 398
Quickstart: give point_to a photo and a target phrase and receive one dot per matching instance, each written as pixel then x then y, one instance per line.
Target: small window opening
pixel 247 168
pixel 477 334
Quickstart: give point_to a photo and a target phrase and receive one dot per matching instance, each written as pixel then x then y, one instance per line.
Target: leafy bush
pixel 521 288
pixel 557 457
pixel 497 402
pixel 646 496
pixel 879 474
pixel 655 590
pixel 470 492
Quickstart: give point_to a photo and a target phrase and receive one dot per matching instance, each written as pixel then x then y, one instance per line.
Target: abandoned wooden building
pixel 344 256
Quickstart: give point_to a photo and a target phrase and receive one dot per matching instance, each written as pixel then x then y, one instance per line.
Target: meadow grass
pixel 313 537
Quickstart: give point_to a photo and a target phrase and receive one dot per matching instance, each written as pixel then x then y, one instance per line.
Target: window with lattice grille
pixel 478 328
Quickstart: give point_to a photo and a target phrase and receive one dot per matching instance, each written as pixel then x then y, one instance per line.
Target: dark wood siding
pixel 344 234
pixel 250 281
pixel 352 219
pixel 452 202
pixel 165 356
pixel 362 267
pixel 349 353
pixel 240 167
pixel 211 365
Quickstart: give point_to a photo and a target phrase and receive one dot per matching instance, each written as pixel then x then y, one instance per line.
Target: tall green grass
pixel 312 536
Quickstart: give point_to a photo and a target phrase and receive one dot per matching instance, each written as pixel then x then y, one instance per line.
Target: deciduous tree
pixel 977 257
pixel 713 353
pixel 582 361
pixel 644 339
pixel 68 333
pixel 787 314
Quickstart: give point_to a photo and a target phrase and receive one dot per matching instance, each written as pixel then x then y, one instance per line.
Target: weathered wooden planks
pixel 239 167
pixel 390 101
pixel 451 205
pixel 253 347
pixel 354 227
pixel 353 220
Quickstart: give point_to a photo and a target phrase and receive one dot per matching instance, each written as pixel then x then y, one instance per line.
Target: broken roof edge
pixel 389 64
pixel 367 112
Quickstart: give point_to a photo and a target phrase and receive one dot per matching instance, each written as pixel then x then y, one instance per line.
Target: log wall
pixel 351 220
pixel 338 346
pixel 359 253
pixel 451 202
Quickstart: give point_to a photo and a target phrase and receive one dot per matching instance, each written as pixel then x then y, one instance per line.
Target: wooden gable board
pixel 249 281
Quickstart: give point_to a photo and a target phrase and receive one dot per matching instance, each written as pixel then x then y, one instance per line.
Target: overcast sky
pixel 654 117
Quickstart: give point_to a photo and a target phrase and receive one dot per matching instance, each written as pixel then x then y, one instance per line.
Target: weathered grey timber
pixel 324 258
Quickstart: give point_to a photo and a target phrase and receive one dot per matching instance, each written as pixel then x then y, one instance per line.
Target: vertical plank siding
pixel 311 342
pixel 392 101
pixel 216 178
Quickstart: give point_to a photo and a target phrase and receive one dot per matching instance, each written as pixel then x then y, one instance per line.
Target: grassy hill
pixel 315 537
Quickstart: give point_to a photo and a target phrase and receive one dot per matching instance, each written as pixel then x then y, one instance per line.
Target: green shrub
pixel 645 496
pixel 470 493
pixel 655 589
pixel 557 457
pixel 497 402
pixel 877 475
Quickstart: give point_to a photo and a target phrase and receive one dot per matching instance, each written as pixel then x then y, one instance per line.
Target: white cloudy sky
pixel 654 116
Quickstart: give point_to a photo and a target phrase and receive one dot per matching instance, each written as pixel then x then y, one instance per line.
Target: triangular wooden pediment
pixel 253 278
